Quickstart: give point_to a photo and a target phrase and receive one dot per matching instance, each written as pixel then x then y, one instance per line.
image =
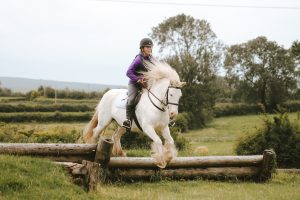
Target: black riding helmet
pixel 145 42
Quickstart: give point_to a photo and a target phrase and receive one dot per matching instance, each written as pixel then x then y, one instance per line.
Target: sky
pixel 94 41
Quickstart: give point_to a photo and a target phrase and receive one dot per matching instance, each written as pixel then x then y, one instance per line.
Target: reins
pixel 162 101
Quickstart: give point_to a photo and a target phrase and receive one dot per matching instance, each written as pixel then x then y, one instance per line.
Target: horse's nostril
pixel 172 115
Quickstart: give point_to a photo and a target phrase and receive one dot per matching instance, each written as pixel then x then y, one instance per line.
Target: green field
pixel 31 178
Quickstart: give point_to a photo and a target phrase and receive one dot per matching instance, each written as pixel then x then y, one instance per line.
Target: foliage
pixel 280 135
pixel 23 107
pixel 291 106
pixel 135 140
pixel 182 122
pixel 20 134
pixel 192 48
pixel 236 109
pixel 49 92
pixel 46 117
pixel 261 71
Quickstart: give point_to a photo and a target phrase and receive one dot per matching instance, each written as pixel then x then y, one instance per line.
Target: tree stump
pixel 268 165
pixel 103 151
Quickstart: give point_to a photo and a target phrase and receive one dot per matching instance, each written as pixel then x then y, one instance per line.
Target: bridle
pixel 166 102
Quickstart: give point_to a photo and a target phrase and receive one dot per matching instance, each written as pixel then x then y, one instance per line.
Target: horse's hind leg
pixel 103 122
pixel 117 148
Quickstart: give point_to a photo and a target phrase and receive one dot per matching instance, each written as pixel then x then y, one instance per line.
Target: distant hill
pixel 26 84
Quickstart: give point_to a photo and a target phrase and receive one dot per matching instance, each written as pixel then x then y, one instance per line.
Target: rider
pixel 136 81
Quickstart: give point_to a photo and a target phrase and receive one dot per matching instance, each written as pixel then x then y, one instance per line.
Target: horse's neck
pixel 160 87
pixel 157 89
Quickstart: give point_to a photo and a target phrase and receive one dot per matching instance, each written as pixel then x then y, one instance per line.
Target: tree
pixel 192 48
pixel 295 53
pixel 264 71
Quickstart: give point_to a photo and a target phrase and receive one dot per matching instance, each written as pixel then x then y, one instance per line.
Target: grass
pixel 32 178
pixel 283 186
pixel 222 134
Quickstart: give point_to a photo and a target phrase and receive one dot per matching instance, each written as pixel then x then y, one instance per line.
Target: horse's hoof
pixel 162 164
pixel 122 154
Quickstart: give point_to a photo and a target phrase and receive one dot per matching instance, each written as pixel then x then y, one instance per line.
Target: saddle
pixel 121 103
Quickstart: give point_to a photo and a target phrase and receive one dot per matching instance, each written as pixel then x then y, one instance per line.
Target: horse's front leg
pixel 170 151
pixel 157 147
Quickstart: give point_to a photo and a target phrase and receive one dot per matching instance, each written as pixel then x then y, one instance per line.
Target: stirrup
pixel 127 124
pixel 172 123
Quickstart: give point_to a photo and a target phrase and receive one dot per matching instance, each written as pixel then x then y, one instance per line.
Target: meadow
pixel 32 178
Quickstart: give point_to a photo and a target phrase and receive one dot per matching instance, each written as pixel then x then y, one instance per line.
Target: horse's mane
pixel 158 70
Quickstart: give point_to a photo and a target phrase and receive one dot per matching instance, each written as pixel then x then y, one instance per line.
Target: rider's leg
pixel 130 107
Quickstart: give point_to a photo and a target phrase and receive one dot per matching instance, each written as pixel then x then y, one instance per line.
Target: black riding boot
pixel 129 114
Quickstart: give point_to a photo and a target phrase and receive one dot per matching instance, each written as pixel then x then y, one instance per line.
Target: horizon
pixel 95 41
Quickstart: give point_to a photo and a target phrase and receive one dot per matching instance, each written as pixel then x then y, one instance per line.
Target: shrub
pixel 20 134
pixel 46 117
pixel 291 106
pixel 280 135
pixel 182 122
pixel 46 108
pixel 135 140
pixel 236 109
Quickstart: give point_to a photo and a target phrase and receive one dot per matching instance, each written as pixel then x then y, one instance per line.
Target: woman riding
pixel 136 79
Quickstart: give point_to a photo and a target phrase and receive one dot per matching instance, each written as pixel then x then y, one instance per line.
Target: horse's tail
pixel 88 131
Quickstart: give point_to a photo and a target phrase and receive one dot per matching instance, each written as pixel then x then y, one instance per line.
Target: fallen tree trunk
pixel 184 162
pixel 47 149
pixel 188 173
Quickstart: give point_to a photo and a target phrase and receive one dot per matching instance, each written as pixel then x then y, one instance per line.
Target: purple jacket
pixel 136 67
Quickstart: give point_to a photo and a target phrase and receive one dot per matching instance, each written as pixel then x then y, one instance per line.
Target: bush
pixel 280 135
pixel 291 106
pixel 135 140
pixel 182 122
pixel 236 109
pixel 46 108
pixel 46 117
pixel 19 134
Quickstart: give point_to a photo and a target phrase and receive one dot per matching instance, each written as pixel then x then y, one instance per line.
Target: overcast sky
pixel 94 41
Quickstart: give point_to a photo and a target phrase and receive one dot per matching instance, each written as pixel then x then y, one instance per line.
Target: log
pixel 185 162
pixel 93 175
pixel 86 174
pixel 189 173
pixel 103 152
pixel 47 149
pixel 73 168
pixel 66 158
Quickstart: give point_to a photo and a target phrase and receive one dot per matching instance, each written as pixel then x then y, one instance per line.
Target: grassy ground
pixel 31 178
pixel 283 186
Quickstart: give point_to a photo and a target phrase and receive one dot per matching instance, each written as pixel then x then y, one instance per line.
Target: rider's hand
pixel 142 82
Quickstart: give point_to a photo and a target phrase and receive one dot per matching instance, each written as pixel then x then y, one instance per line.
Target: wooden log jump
pixel 260 166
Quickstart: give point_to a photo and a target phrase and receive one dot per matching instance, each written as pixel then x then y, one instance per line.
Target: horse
pixel 158 105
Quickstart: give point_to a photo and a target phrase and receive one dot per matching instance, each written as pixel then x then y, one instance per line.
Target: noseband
pixel 166 102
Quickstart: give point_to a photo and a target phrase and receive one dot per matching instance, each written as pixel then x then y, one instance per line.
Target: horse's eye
pixel 171 95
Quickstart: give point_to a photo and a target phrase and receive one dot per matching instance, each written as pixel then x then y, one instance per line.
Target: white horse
pixel 158 104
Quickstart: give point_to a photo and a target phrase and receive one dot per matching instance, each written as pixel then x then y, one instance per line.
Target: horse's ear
pixel 182 84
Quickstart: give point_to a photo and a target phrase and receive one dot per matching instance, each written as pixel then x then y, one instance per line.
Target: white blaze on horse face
pixel 174 95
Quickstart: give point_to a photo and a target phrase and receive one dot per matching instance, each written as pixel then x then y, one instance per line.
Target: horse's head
pixel 163 79
pixel 173 96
